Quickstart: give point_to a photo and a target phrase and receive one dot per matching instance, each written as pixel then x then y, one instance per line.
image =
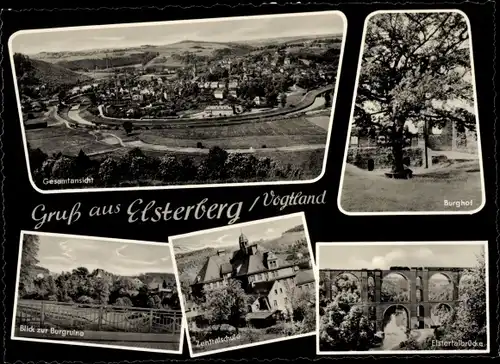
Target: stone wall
pixel 382 156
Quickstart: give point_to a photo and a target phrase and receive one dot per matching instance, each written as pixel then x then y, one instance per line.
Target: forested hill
pixel 295 229
pixel 33 72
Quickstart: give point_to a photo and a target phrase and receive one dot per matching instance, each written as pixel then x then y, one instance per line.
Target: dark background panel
pixel 325 222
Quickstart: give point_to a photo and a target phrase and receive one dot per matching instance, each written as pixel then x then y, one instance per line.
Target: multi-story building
pixel 218 111
pixel 272 281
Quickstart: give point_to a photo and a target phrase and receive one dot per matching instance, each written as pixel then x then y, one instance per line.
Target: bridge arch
pixel 346 283
pixel 439 312
pixel 465 279
pixel 397 315
pixel 440 287
pixel 395 287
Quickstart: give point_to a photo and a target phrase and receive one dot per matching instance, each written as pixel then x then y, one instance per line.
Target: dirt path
pixel 59 120
pixel 75 116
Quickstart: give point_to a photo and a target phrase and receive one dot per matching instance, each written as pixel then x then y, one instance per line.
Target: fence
pixel 97 317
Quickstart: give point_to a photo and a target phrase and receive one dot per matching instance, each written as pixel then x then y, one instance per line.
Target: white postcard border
pixel 75 342
pixel 170 187
pixel 404 352
pixel 227 227
pixel 476 111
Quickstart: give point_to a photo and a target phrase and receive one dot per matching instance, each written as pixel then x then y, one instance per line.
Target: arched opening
pixel 396 316
pixel 420 311
pixel 419 294
pixel 465 282
pixel 440 313
pixel 418 282
pixel 346 288
pixel 395 288
pixel 440 288
pixel 396 323
pixel 421 316
pixel 371 289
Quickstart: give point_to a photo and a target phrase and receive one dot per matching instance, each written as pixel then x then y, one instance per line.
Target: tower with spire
pixel 243 241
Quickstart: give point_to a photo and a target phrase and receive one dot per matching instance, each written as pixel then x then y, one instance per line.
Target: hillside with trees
pixel 82 286
pixel 32 73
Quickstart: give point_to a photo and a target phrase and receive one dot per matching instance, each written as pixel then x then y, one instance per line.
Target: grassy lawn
pixel 323 121
pixel 271 134
pixel 67 141
pixel 365 191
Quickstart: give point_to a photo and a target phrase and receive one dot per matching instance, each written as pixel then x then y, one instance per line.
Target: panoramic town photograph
pixel 247 284
pixel 214 101
pixel 375 298
pixel 414 143
pixel 88 291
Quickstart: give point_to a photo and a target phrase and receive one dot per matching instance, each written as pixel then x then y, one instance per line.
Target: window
pixel 275 303
pixel 281 290
pixel 275 291
pixel 286 300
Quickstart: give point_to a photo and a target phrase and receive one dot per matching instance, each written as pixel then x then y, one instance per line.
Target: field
pixel 279 133
pixel 130 56
pixel 363 191
pixel 67 141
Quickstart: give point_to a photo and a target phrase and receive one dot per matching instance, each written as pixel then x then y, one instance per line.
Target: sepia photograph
pixel 186 103
pixel 413 143
pixel 247 284
pixel 97 292
pixel 398 298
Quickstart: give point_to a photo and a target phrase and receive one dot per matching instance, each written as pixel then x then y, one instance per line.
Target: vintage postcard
pixel 400 298
pixel 90 291
pixel 246 285
pixel 190 103
pixel 414 143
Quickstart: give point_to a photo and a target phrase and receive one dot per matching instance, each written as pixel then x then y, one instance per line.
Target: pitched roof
pixel 304 276
pixel 211 270
pixel 250 263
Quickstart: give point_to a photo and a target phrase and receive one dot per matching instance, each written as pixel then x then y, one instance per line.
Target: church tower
pixel 243 240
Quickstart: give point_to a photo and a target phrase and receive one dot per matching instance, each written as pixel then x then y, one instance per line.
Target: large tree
pixel 31 246
pixel 415 67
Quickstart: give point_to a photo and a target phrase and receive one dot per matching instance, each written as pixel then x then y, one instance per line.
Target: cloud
pixel 119 250
pixel 66 251
pixel 221 239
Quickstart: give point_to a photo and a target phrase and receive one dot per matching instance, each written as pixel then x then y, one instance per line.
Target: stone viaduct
pixel 418 309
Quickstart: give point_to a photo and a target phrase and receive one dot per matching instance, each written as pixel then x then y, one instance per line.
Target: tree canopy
pixel 414 67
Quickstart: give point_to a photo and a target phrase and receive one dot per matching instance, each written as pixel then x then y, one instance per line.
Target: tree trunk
pixel 397 147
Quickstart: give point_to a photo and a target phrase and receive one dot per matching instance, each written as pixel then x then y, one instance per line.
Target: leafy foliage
pixel 345 328
pixel 414 66
pixel 395 288
pixel 226 305
pixel 135 166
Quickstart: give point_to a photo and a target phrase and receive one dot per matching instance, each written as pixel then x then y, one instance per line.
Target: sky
pixel 59 254
pixel 374 256
pixel 249 28
pixel 228 237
